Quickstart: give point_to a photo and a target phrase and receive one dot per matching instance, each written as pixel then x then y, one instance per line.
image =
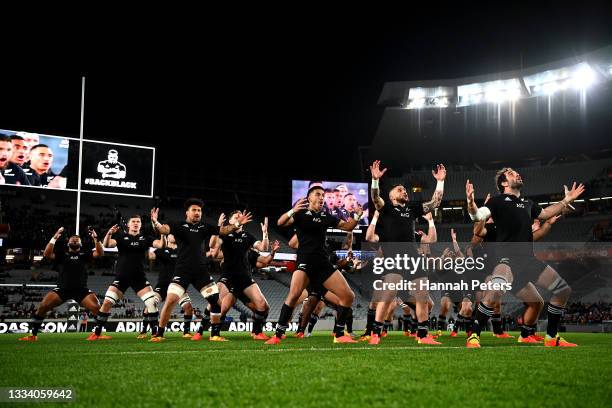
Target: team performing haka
pixel 516 263
pixel 72 261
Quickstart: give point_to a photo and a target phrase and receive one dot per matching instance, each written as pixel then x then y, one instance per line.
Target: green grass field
pixel 311 372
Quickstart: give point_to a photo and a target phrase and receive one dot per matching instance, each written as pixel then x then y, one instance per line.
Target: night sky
pixel 243 92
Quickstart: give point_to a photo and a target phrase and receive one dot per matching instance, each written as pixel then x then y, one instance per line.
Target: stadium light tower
pixel 436 97
pixel 500 91
pixel 579 77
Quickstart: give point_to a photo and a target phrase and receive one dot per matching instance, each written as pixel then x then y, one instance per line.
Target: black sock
pixel 414 326
pixel 101 320
pixel 349 321
pixel 187 323
pixel 460 320
pixel 37 321
pixel 525 331
pixel 496 322
pixel 469 325
pixel 314 318
pixel 259 319
pixel 407 323
pixel 555 314
pixel 154 322
pixel 343 314
pixel 377 327
pixel 205 323
pixel 441 322
pixel 215 329
pixel 283 320
pixel 483 314
pixel 145 323
pixel 422 329
pixel 371 316
pixel 159 332
pixel 387 325
pixel 533 329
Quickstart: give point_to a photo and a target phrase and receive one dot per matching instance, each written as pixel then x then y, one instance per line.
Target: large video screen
pixel 47 161
pixel 341 197
pixel 38 160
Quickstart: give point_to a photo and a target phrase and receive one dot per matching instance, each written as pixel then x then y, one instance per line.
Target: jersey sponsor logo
pixel 520 205
pixel 316 219
pixel 186 225
pixel 126 237
pixel 308 212
pixel 508 199
pixel 135 243
pixel 8 172
pixel 301 266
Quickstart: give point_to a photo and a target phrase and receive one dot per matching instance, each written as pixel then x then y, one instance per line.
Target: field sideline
pixel 310 372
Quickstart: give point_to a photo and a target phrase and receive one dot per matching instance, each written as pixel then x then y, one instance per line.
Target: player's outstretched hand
pixel 300 205
pixel 440 172
pixel 575 192
pixel 58 233
pixel 376 171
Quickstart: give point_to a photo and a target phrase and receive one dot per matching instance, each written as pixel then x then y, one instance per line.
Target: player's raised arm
pixel 439 174
pixel 159 227
pixel 287 218
pixel 432 235
pixel 557 208
pixel 243 218
pixel 476 214
pixel 377 173
pixel 263 261
pixel 215 238
pixel 545 228
pixel 264 244
pixel 48 253
pixel 371 235
pixel 108 241
pixel 99 249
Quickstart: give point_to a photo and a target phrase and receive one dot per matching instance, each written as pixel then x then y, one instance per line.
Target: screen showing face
pixel 45 161
pixel 341 198
pixel 38 160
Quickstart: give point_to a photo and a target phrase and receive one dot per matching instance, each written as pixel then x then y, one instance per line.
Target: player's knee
pixel 188 308
pixel 185 301
pixel 560 288
pixel 175 292
pixel 260 304
pixel 348 297
pixel 149 300
pixel 158 298
pixel 111 297
pixel 210 293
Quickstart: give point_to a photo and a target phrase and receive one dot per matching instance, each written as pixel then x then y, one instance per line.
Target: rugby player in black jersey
pixel 165 254
pixel 236 277
pixel 311 222
pixel 72 261
pixel 133 248
pixel 485 233
pixel 192 266
pixel 513 217
pixel 257 303
pixel 399 222
pixel 316 296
